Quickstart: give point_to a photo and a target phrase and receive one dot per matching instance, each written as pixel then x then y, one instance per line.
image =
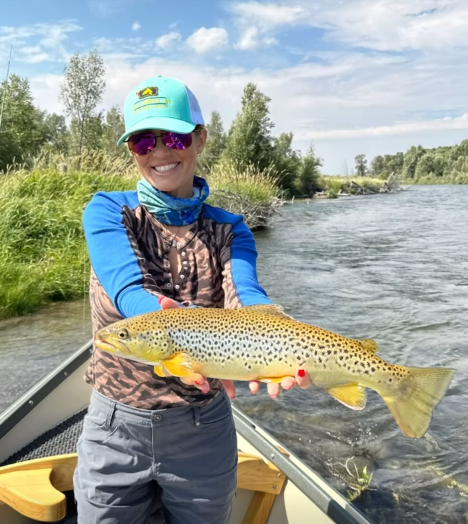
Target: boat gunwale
pixel 27 402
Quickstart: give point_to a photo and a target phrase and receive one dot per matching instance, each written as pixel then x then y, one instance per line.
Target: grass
pixel 257 186
pixel 335 183
pixel 43 254
pixel 247 192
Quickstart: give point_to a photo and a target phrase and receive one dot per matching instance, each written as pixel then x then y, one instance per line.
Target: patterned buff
pixel 171 210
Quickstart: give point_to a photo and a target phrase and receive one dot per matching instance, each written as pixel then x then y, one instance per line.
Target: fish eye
pixel 123 333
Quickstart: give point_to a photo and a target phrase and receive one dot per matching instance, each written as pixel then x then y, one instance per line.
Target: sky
pixel 350 77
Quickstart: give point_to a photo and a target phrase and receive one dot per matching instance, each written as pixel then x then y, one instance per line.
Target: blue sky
pixel 354 76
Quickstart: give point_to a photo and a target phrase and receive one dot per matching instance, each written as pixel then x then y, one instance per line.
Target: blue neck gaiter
pixel 171 210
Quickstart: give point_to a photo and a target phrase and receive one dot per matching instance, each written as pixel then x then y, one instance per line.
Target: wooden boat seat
pixel 35 488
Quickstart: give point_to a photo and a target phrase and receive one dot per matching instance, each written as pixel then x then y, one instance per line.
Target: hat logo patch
pixel 148 99
pixel 147 91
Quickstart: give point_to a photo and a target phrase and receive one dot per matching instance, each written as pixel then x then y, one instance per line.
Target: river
pixel 390 267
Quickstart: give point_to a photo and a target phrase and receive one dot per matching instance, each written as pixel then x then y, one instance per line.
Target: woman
pixel 159 247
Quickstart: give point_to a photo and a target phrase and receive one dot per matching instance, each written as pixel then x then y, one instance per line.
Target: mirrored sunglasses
pixel 144 142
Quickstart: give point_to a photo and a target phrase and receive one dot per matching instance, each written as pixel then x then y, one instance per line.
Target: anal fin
pixel 351 395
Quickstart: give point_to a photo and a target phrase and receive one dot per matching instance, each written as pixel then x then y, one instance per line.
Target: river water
pixel 389 267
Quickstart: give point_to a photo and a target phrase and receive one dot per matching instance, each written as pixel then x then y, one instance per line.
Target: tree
pixel 82 89
pixel 377 166
pixel 216 142
pixel 360 167
pixel 431 164
pixel 286 161
pixel 309 172
pixel 412 157
pixel 249 139
pixel 56 133
pixel 114 128
pixel 22 132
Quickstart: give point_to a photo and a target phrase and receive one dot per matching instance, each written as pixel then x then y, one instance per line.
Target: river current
pixel 391 267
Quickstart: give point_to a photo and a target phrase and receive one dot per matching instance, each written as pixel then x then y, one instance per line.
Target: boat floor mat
pixel 59 440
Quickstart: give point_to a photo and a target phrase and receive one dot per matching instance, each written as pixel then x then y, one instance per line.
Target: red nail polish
pixel 160 299
pixel 199 383
pixel 301 373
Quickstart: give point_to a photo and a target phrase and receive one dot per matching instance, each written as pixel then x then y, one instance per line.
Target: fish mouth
pixel 113 346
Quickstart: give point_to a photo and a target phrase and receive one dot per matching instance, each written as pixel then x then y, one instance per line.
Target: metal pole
pixel 6 87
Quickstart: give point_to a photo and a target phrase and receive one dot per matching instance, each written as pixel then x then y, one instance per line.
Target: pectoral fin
pixel 179 365
pixel 351 395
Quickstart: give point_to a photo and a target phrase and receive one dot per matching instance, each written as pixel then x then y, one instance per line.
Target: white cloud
pixel 204 40
pixel 397 25
pixel 47 41
pixel 268 15
pixel 439 124
pixel 377 24
pixel 45 90
pixel 251 38
pixel 168 40
pixel 136 26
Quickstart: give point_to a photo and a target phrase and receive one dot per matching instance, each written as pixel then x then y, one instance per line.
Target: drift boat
pixel 38 437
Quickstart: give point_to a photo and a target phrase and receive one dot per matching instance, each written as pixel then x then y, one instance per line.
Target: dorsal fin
pixel 371 345
pixel 267 309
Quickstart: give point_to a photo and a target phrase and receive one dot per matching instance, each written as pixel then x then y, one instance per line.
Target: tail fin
pixel 413 403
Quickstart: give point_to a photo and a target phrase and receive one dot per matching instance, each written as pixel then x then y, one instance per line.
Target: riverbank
pixel 336 186
pixel 43 254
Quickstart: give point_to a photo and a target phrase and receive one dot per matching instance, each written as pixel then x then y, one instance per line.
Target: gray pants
pixel 130 461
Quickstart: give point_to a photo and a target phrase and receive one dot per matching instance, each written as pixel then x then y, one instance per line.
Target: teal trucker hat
pixel 161 103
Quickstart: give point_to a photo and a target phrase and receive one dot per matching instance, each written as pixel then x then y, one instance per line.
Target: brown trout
pixel 263 343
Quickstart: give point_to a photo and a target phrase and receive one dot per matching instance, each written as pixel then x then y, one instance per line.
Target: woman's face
pixel 172 170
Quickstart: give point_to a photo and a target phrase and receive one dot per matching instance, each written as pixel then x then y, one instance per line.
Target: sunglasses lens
pixel 176 140
pixel 141 144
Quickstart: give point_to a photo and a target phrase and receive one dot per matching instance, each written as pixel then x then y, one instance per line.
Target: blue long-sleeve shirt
pixel 129 253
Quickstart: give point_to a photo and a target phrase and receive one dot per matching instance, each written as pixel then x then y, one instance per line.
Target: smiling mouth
pixel 166 168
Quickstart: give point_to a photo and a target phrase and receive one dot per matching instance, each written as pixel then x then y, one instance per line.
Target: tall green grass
pixel 335 183
pixel 250 182
pixel 43 255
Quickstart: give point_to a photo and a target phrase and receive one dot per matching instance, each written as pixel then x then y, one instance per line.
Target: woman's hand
pixel 301 380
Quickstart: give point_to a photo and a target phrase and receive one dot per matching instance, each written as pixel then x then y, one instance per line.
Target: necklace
pixel 174 237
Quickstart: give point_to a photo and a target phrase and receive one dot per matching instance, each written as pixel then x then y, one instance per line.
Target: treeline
pixel 26 131
pixel 447 164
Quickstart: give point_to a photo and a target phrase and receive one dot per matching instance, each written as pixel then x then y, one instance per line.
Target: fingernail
pixel 199 383
pixel 160 299
pixel 301 373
